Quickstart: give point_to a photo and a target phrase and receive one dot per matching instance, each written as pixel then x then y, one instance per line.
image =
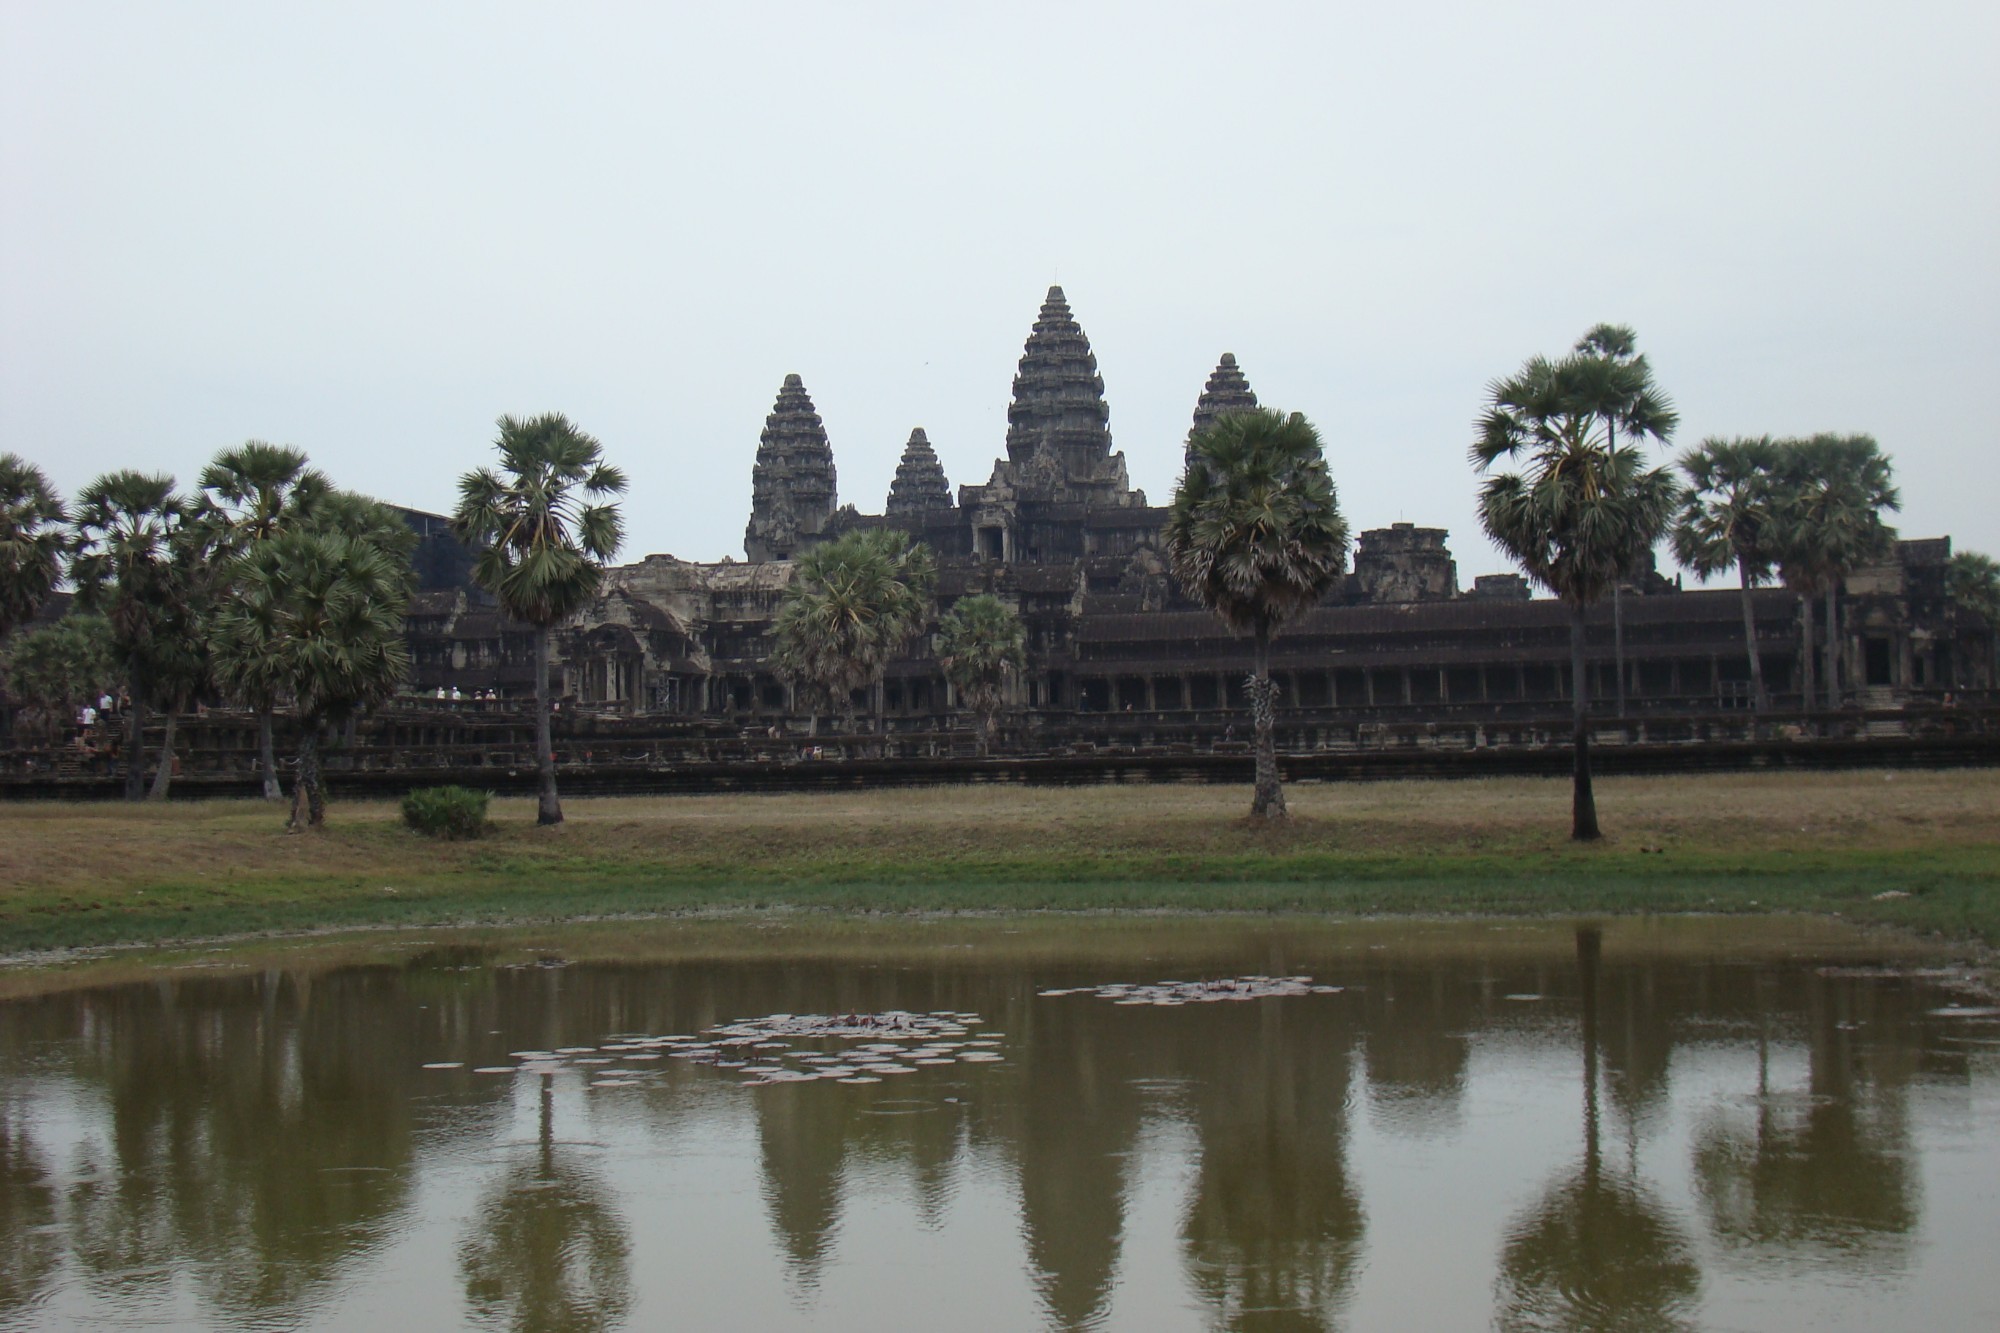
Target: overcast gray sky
pixel 369 230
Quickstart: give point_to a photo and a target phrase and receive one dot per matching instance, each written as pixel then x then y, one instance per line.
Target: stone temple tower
pixel 792 490
pixel 1058 434
pixel 920 483
pixel 1226 391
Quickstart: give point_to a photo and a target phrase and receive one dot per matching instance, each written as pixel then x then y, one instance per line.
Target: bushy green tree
pixel 1255 534
pixel 54 671
pixel 981 646
pixel 1574 515
pixel 1726 521
pixel 851 606
pixel 324 602
pixel 249 494
pixel 543 526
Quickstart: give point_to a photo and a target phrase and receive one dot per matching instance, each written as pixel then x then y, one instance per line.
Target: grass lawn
pixel 77 874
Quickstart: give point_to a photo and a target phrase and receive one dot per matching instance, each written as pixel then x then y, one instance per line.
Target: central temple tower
pixel 1059 396
pixel 793 487
pixel 1058 432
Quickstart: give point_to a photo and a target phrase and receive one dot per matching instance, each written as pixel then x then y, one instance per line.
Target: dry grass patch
pixel 1710 813
pixel 1827 841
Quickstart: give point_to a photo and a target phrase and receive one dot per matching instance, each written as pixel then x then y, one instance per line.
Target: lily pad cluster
pixel 779 1048
pixel 1199 992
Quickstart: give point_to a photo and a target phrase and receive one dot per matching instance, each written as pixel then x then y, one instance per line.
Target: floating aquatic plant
pixel 763 1050
pixel 1170 993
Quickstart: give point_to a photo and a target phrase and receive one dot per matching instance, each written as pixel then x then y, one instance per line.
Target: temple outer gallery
pixel 1058 532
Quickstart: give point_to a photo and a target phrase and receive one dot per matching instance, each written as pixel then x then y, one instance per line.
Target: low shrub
pixel 446 812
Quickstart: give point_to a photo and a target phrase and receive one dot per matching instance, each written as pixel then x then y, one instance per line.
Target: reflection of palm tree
pixel 548 1251
pixel 256 1145
pixel 27 1207
pixel 1598 1251
pixel 1274 1228
pixel 1822 1171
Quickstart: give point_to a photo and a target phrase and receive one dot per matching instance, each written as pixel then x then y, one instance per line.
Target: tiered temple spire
pixel 792 487
pixel 1226 391
pixel 920 482
pixel 1059 397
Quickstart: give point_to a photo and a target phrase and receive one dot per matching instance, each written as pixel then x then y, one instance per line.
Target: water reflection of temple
pixel 260 1136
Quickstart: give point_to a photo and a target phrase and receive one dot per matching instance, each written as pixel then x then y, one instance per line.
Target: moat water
pixel 1703 1124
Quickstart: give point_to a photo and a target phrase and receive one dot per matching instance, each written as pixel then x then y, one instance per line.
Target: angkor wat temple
pixel 1058 532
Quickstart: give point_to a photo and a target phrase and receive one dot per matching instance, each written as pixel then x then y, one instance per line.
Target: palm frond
pixel 1254 531
pixel 541 550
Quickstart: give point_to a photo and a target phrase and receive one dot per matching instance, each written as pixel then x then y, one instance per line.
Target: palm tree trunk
pixel 164 777
pixel 1268 799
pixel 315 789
pixel 1758 699
pixel 1808 652
pixel 1833 644
pixel 1589 956
pixel 135 735
pixel 308 801
pixel 548 810
pixel 267 754
pixel 1618 641
pixel 1583 803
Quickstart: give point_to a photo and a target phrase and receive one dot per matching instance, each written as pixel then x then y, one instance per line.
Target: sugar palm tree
pixel 1725 520
pixel 1573 516
pixel 1619 388
pixel 1255 534
pixel 254 491
pixel 249 494
pixel 548 1249
pixel 851 606
pixel 1973 581
pixel 1830 491
pixel 1598 1249
pixel 125 528
pixel 31 540
pixel 544 527
pixel 981 646
pixel 323 603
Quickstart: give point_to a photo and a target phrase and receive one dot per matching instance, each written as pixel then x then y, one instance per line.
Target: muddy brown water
pixel 802 1123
